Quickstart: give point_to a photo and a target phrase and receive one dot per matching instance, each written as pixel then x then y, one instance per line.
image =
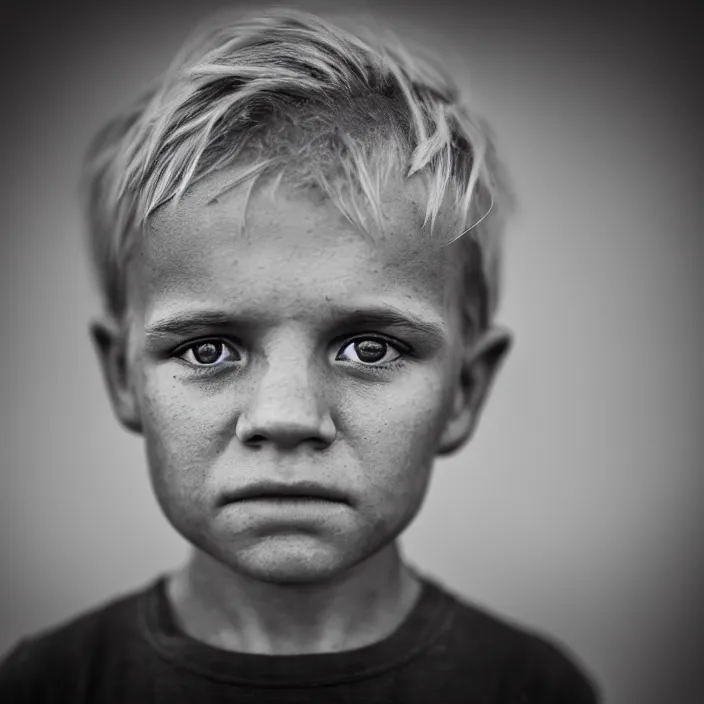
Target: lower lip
pixel 287 515
pixel 288 504
pixel 287 510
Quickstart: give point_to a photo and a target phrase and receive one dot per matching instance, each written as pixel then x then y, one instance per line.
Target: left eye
pixel 209 353
pixel 369 350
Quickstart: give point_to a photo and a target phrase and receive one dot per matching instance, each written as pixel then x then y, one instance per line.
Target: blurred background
pixel 577 508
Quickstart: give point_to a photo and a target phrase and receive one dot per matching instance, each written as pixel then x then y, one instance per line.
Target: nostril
pixel 319 443
pixel 316 442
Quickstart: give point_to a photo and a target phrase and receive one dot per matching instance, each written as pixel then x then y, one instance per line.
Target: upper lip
pixel 271 489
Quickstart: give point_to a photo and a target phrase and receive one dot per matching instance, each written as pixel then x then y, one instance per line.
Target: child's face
pixel 296 352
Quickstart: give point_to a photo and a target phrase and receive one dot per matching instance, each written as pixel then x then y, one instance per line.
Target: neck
pixel 228 610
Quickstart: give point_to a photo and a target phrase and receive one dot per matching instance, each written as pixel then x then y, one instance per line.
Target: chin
pixel 289 559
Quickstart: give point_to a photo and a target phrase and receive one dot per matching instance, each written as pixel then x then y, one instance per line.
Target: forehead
pixel 291 249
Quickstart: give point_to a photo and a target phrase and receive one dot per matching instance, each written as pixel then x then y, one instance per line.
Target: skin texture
pixel 291 399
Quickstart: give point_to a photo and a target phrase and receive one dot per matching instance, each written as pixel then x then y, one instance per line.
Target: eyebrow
pixel 195 322
pixel 390 316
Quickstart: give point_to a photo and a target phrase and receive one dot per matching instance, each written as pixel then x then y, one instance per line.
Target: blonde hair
pixel 288 91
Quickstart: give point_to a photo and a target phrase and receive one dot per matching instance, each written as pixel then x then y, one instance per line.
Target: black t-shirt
pixel 446 651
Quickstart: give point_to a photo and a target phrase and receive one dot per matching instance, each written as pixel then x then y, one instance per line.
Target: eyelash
pixel 403 350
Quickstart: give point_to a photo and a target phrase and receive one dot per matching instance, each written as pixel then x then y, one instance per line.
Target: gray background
pixel 577 508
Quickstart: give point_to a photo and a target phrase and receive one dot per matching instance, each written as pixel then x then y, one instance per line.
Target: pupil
pixel 370 350
pixel 207 352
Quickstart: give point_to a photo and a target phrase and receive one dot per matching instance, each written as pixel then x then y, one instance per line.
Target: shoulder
pixel 57 658
pixel 547 672
pixel 528 667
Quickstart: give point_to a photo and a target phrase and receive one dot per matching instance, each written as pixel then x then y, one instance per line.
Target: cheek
pixel 394 430
pixel 183 435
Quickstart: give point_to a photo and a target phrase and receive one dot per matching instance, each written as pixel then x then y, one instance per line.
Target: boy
pixel 297 237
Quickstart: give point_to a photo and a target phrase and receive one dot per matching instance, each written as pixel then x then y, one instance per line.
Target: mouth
pixel 282 492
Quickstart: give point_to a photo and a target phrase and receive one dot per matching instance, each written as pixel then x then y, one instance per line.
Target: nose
pixel 286 409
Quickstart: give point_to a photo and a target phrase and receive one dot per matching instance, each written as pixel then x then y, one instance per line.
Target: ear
pixel 480 364
pixel 110 340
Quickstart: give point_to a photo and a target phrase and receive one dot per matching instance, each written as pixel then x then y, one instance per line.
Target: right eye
pixel 209 353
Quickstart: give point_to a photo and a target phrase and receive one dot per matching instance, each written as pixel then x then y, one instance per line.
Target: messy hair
pixel 289 93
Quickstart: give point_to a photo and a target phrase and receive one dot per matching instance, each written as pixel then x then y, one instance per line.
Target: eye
pixel 370 351
pixel 209 353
